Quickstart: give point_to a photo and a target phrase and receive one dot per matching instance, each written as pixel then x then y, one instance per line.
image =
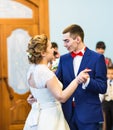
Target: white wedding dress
pixel 46 113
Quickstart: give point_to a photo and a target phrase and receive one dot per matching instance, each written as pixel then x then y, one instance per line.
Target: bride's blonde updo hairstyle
pixel 36 46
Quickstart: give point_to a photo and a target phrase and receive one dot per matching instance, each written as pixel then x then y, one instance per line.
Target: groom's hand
pixel 31 99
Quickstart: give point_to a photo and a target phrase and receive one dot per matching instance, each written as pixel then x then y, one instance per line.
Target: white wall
pixel 94 16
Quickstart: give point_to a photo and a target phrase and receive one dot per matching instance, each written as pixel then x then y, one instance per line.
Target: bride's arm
pixel 63 95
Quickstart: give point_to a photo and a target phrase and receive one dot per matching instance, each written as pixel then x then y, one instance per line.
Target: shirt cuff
pixel 84 85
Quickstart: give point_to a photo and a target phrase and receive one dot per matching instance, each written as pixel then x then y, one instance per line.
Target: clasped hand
pixel 83 76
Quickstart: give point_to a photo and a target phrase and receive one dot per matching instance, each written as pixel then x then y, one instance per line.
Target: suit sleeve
pixel 98 79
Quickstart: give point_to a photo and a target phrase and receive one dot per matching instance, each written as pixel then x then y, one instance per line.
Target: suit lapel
pixel 85 60
pixel 70 66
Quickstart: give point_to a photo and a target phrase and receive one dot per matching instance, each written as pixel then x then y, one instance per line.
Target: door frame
pixel 40 25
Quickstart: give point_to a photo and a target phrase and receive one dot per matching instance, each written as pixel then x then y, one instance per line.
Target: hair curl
pixel 36 45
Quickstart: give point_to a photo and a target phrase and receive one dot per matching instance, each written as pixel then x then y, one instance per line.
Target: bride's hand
pixel 83 76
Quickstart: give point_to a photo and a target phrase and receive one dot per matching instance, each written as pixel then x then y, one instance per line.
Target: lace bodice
pixel 41 74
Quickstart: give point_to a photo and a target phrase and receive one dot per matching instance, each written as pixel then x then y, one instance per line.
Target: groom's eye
pixel 66 41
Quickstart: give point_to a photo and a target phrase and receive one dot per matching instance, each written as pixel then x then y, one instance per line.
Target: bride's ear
pixel 43 54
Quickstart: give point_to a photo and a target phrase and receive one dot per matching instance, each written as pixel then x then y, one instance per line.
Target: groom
pixel 83 110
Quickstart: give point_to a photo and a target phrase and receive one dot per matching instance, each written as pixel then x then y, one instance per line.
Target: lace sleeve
pixel 42 75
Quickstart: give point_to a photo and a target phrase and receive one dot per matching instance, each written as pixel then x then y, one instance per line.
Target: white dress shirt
pixel 76 64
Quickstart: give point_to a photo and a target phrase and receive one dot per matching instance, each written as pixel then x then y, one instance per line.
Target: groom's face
pixel 69 42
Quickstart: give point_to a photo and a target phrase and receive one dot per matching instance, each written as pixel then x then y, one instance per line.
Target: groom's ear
pixel 78 39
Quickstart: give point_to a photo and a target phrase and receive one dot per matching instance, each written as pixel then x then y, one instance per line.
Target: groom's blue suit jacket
pixel 88 106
